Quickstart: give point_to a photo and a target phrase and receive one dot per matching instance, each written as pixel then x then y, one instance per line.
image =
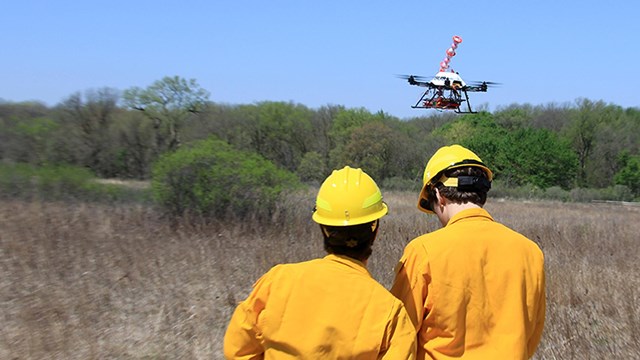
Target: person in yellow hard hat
pixel 474 289
pixel 328 308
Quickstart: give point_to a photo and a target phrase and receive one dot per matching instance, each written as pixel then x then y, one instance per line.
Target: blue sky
pixel 323 52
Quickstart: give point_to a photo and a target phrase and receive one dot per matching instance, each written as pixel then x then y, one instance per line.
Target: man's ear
pixel 441 200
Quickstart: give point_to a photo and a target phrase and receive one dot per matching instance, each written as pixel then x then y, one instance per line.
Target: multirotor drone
pixel 447 90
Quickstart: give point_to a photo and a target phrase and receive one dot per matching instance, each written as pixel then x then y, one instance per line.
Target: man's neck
pixel 451 209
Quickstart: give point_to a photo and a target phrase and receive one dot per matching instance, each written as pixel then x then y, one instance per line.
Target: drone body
pixel 446 90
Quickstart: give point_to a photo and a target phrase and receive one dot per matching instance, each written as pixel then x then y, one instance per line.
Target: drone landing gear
pixel 469 111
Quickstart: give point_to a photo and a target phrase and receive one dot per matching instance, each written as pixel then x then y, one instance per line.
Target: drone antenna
pixel 451 52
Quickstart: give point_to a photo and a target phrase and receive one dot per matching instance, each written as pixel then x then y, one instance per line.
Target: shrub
pixel 59 182
pixel 612 193
pixel 25 181
pixel 500 189
pixel 616 193
pixel 629 174
pixel 211 178
pixel 557 193
pixel 312 168
pixel 401 184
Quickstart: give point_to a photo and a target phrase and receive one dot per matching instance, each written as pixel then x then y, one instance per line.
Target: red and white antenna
pixel 451 52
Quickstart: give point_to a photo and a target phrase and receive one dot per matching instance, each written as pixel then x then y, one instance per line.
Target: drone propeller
pixel 415 77
pixel 488 83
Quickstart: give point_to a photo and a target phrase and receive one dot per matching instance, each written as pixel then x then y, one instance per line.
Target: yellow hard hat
pixel 348 197
pixel 446 158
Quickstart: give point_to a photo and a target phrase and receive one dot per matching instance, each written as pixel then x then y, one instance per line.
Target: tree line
pixel 586 144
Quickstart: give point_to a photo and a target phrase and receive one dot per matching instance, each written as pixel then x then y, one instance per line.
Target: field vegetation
pixel 132 223
pixel 96 280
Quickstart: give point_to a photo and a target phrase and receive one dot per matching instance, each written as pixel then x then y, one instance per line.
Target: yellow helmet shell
pixel 446 158
pixel 348 197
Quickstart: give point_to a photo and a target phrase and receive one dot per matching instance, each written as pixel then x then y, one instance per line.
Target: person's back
pixel 485 298
pixel 327 308
pixel 474 289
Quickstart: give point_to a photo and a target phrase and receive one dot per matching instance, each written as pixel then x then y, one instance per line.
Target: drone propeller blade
pixel 415 77
pixel 488 83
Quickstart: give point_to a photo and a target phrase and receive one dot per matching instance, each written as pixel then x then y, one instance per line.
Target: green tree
pixel 408 150
pixel 282 131
pixel 369 148
pixel 85 120
pixel 169 102
pixel 618 133
pixel 22 126
pixel 312 168
pixel 481 134
pixel 515 116
pixel 345 122
pixel 211 178
pixel 553 117
pixel 522 155
pixel 133 149
pixel 539 157
pixel 582 130
pixel 32 140
pixel 321 124
pixel 629 174
pixel 278 131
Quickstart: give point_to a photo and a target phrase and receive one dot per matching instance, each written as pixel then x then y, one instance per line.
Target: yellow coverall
pixel 329 308
pixel 474 289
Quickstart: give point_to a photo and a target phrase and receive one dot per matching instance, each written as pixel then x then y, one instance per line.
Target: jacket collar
pixel 469 214
pixel 350 262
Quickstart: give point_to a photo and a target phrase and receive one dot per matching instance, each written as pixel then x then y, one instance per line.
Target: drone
pixel 446 90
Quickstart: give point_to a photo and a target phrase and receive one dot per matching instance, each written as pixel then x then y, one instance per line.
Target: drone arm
pixel 420 83
pixel 479 88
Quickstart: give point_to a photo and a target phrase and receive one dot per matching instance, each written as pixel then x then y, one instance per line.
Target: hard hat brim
pixel 323 220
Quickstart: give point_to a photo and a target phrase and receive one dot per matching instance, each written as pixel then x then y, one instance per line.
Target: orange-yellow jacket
pixel 474 289
pixel 329 308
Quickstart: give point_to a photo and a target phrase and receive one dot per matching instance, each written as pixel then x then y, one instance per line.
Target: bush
pixel 211 178
pixel 401 184
pixel 629 174
pixel 557 193
pixel 618 193
pixel 500 189
pixel 60 182
pixel 312 169
pixel 612 193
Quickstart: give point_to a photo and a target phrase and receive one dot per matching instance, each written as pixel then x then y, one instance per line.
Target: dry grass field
pixel 92 281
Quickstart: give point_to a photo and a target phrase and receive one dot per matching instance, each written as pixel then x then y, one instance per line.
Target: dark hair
pixel 477 195
pixel 353 241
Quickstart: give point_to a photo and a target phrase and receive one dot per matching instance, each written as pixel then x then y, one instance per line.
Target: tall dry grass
pixel 89 281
